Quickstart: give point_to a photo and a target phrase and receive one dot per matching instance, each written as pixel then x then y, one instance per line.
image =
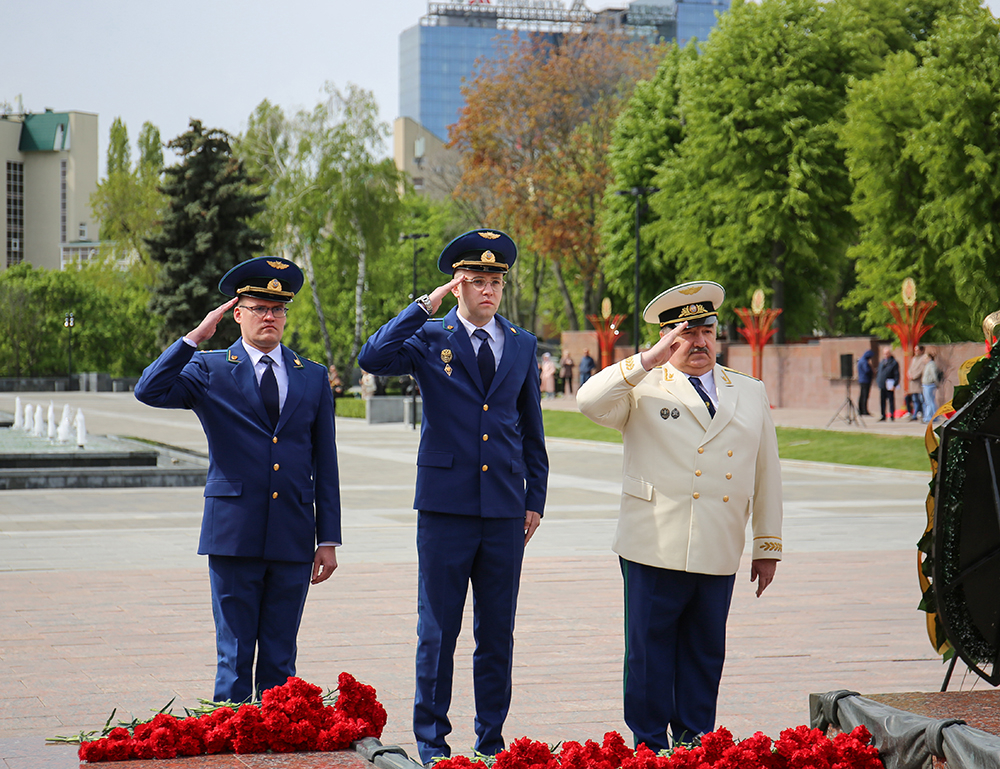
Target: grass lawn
pixel 865 449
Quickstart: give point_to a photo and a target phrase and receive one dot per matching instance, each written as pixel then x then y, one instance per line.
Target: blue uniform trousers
pixel 453 551
pixel 675 647
pixel 257 603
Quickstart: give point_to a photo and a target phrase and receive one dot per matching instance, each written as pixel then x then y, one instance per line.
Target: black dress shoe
pixel 882 419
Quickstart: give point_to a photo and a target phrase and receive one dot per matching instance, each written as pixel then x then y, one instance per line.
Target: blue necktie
pixel 269 391
pixel 696 382
pixel 487 363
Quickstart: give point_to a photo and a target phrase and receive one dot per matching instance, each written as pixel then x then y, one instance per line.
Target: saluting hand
pixel 207 327
pixel 438 294
pixel 660 352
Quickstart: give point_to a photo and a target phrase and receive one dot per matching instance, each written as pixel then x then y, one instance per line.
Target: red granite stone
pixel 980 710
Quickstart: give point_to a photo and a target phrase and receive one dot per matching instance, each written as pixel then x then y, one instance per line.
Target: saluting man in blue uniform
pixel 272 491
pixel 481 477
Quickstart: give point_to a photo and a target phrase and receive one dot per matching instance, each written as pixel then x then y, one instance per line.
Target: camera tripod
pixel 847 413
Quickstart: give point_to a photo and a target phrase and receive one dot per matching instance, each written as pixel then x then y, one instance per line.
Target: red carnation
pixel 249 735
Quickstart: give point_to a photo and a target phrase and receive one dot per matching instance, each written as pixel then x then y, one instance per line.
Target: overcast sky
pixel 214 60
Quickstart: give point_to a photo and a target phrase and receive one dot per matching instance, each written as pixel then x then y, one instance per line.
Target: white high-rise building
pixel 50 166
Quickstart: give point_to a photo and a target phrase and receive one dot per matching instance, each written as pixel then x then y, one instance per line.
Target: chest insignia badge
pixel 664 413
pixel 675 414
pixel 447 370
pixel 446 356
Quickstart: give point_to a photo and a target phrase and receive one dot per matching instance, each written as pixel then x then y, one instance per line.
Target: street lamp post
pixel 637 193
pixel 69 322
pixel 414 236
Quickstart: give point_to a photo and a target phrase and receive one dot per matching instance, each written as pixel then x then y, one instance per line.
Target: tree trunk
pixel 510 303
pixel 307 267
pixel 568 306
pixel 536 277
pixel 778 288
pixel 359 293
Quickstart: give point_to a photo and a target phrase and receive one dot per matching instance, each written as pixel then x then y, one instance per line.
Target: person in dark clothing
pixel 887 378
pixel 587 366
pixel 865 372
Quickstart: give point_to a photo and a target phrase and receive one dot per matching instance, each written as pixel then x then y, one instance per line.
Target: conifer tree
pixel 205 232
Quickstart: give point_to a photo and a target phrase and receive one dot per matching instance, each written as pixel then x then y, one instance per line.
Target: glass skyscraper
pixel 439 54
pixel 433 62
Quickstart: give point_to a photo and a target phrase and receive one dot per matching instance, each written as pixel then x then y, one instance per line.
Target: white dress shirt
pixel 495 333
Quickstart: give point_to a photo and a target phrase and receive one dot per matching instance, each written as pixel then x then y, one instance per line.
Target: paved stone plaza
pixel 105 603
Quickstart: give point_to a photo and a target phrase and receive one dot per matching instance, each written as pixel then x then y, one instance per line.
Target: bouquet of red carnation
pixel 291 717
pixel 799 748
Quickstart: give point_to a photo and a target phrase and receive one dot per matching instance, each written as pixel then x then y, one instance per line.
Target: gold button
pixel 697 472
pixel 486 437
pixel 276 466
pixel 486 407
pixel 274 439
pixel 274 495
pixel 725 499
pixel 730 452
pixel 485 468
pixel 696 495
pixel 701 451
pixel 729 476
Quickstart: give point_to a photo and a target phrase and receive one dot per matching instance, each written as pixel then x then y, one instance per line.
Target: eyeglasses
pixel 480 284
pixel 261 312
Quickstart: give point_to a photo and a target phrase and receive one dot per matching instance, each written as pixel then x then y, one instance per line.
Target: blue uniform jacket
pixel 481 453
pixel 263 483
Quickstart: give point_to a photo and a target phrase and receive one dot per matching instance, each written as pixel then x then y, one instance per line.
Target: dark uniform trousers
pixel 455 550
pixel 675 641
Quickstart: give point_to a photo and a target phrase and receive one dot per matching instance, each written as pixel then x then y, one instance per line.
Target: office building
pixel 441 51
pixel 50 161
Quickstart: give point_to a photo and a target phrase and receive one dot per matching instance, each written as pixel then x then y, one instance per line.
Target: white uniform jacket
pixel 690 482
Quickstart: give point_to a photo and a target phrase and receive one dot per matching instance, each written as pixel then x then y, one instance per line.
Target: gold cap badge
pixel 277 265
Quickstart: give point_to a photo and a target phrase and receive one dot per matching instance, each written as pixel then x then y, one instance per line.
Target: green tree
pixel 920 151
pixel 333 207
pixel 958 147
pixel 206 231
pixel 646 134
pixel 150 153
pixel 128 202
pixel 758 192
pixel 108 306
pixel 119 151
pixel 534 135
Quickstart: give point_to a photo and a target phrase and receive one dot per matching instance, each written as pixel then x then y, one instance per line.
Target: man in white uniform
pixel 701 459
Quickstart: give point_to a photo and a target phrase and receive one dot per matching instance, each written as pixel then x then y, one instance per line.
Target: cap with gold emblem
pixel 265 277
pixel 697 303
pixel 479 250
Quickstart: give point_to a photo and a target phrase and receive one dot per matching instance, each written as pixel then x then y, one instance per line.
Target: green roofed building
pixel 50 166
